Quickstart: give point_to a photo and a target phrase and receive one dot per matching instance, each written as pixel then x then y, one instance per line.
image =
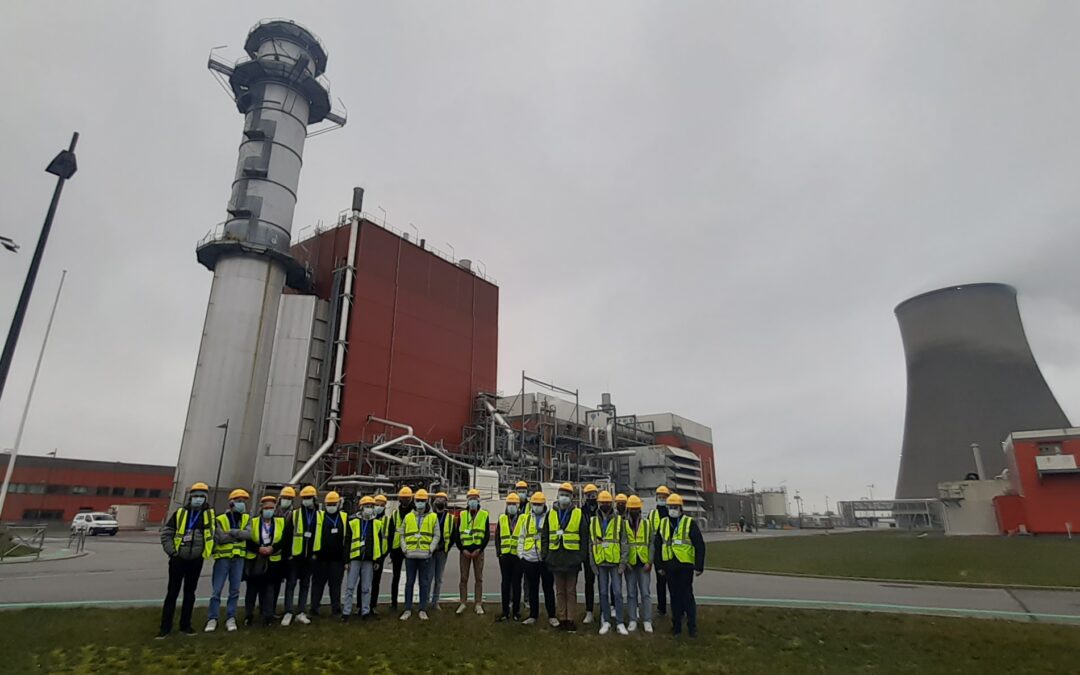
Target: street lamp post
pixel 221 458
pixel 798 500
pixel 871 488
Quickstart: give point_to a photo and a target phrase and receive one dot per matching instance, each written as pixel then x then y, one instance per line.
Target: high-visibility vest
pixel 418 537
pixel 605 541
pixel 472 527
pixel 447 532
pixel 397 528
pixel 654 519
pixel 532 534
pixel 322 515
pixel 208 520
pixel 568 537
pixel 378 538
pixel 639 542
pixel 680 546
pixel 298 531
pixel 256 535
pixel 508 536
pixel 235 549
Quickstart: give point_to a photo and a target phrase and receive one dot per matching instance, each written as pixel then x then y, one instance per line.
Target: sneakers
pixel 553 622
pixel 211 626
pixel 612 613
pixel 461 609
pixel 247 621
pixel 423 615
pixel 648 626
pixel 528 622
pixel 502 618
pixel 570 627
pixel 302 618
pixel 588 617
pixel 230 625
pixel 162 635
pixel 188 631
pixel 406 614
pixel 621 629
pixel 436 606
pixel 287 619
pixel 605 628
pixel 479 608
pixel 632 627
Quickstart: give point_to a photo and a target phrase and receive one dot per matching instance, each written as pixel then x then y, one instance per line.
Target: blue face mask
pixel 239 507
pixel 564 500
pixel 538 509
pixel 198 501
pixel 524 497
pixel 268 513
pixel 379 510
pixel 511 509
pixel 474 503
pixel 420 506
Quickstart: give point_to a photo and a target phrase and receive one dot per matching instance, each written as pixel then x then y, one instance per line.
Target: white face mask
pixel 369 512
pixel 564 500
pixel 538 509
pixel 198 501
pixel 239 507
pixel 379 510
pixel 308 503
pixel 285 503
pixel 268 513
pixel 511 509
pixel 331 509
pixel 523 496
pixel 674 511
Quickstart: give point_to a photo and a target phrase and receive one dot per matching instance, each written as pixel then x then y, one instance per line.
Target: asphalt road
pixel 130 569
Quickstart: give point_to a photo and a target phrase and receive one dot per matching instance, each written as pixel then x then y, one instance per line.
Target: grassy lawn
pixel 732 640
pixel 1036 561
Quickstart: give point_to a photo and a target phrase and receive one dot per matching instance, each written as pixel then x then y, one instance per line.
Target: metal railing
pixel 23 538
pixel 77 541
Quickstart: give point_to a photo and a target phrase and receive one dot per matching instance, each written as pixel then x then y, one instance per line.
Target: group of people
pixel 310 549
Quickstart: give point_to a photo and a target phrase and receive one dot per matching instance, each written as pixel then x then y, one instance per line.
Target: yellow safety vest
pixel 235 549
pixel 532 535
pixel 447 531
pixel 208 520
pixel 605 544
pixel 639 542
pixel 568 538
pixel 419 537
pixel 322 515
pixel 680 546
pixel 397 528
pixel 298 531
pixel 508 536
pixel 256 535
pixel 378 539
pixel 654 519
pixel 473 527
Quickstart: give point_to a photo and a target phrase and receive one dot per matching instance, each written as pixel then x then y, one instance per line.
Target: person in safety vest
pixel 301 554
pixel 331 530
pixel 420 537
pixel 473 536
pixel 531 544
pixel 680 548
pixel 638 535
pixel 657 515
pixel 187 537
pixel 264 560
pixel 366 547
pixel 380 514
pixel 620 504
pixel 607 546
pixel 285 500
pixel 507 534
pixel 405 506
pixel 448 535
pixel 588 510
pixel 230 534
pixel 566 548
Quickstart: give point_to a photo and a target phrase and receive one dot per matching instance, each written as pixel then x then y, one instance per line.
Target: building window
pixel 39 514
pixel 17 488
pixel 34 489
pixel 1049 448
pixel 118 492
pixel 103 491
pixel 56 489
pixel 140 492
pixel 154 494
pixel 80 490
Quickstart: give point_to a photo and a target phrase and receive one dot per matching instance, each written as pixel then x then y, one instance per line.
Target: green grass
pixel 1036 561
pixel 732 640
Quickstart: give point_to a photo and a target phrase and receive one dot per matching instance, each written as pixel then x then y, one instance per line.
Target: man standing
pixel 377 570
pixel 264 558
pixel 301 555
pixel 366 546
pixel 188 539
pixel 620 505
pixel 419 539
pixel 659 514
pixel 506 543
pixel 588 510
pixel 638 536
pixel 565 549
pixel 608 561
pixel 532 542
pixel 522 490
pixel 448 535
pixel 331 530
pixel 284 508
pixel 405 507
pixel 230 534
pixel 473 536
pixel 681 549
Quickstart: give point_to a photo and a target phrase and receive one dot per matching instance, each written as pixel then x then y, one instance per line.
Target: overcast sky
pixel 705 208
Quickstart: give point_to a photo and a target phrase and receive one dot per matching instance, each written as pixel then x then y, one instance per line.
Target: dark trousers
pixel 299 574
pixel 327 572
pixel 661 591
pixel 681 583
pixel 376 577
pixel 396 560
pixel 260 588
pixel 534 574
pixel 181 573
pixel 590 585
pixel 510 573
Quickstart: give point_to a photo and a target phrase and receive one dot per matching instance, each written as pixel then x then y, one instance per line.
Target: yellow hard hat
pixel 589 488
pixel 309 491
pixel 366 500
pixel 521 484
pixel 405 492
pixel 268 498
pixel 674 500
pixel 239 493
pixel 288 491
pixel 200 487
pixel 566 487
pixel 421 494
pixel 662 490
pixel 473 492
pixel 538 498
pixel 442 494
pixel 604 497
pixel 332 497
pixel 380 499
pixel 633 502
pixel 513 498
pixel 620 498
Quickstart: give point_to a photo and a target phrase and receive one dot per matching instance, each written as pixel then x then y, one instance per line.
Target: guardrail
pixel 22 538
pixel 77 541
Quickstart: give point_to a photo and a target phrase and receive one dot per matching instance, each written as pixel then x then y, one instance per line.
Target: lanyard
pixel 192 519
pixel 603 526
pixel 336 522
pixel 564 518
pixel 363 529
pixel 310 520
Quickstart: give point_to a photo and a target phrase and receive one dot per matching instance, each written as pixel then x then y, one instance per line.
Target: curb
pixel 19 561
pixel 914 582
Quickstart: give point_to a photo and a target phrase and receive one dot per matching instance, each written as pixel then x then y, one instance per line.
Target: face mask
pixel 198 501
pixel 591 498
pixel 661 500
pixel 285 503
pixel 564 500
pixel 379 510
pixel 474 503
pixel 605 508
pixel 308 503
pixel 268 513
pixel 420 506
pixel 524 497
pixel 634 514
pixel 239 507
pixel 621 508
pixel 538 509
pixel 511 510
pixel 369 512
pixel 440 506
pixel 331 509
pixel 674 511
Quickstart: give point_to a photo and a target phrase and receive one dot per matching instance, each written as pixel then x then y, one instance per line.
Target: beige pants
pixel 565 595
pixel 477 565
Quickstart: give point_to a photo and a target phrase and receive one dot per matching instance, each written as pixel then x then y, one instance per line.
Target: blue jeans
pixel 436 569
pixel 360 577
pixel 610 584
pixel 233 570
pixel 637 585
pixel 414 568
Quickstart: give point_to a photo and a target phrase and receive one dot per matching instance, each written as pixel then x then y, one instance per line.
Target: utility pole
pixel 871 488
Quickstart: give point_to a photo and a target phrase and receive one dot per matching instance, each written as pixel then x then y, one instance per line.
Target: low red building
pixel 57 488
pixel 1044 476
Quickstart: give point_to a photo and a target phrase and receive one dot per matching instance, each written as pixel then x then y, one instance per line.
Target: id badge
pixel 333 530
pixel 307 535
pixel 559 533
pixel 187 537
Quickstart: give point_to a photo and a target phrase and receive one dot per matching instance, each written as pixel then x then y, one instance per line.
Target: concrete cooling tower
pixel 971 378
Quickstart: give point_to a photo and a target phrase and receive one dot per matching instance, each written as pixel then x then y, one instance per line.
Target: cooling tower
pixel 971 378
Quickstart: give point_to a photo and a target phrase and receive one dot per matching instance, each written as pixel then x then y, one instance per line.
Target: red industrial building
pixel 56 489
pixel 1044 476
pixel 680 432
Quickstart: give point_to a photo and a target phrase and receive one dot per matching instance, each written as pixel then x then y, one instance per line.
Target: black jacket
pixel 695 538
